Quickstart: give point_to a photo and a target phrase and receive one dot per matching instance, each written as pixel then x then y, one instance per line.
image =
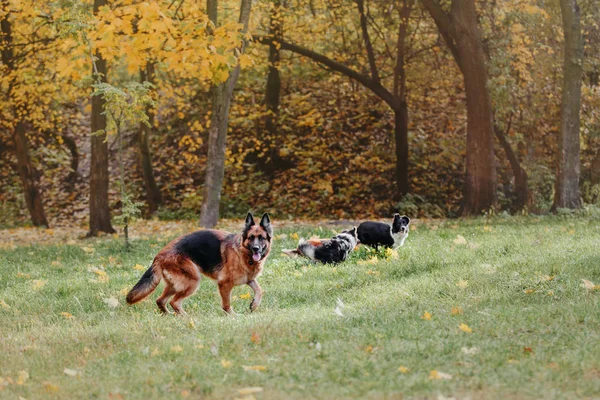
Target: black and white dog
pixel 377 234
pixel 327 251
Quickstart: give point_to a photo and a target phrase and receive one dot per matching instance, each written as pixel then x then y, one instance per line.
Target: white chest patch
pixel 399 238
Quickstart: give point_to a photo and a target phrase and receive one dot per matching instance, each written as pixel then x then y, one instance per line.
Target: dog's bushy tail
pixel 306 248
pixel 145 285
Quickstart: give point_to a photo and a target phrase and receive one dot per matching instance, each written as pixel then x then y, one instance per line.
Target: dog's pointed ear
pixel 265 223
pixel 396 217
pixel 405 219
pixel 249 221
pixel 355 232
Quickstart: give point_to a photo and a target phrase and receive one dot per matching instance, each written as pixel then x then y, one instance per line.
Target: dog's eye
pixel 261 238
pixel 251 237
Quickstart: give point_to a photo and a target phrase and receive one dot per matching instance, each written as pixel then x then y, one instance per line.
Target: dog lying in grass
pixel 375 234
pixel 229 259
pixel 327 251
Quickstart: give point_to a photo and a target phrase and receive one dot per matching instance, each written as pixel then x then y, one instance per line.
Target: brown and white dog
pixel 230 259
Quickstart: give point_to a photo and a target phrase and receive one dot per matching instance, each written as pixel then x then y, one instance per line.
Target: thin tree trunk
pixel 33 197
pixel 72 146
pixel 99 178
pixel 567 178
pixel 521 179
pixel 401 138
pixel 217 133
pixel 26 173
pixel 153 195
pixel 273 88
pixel 401 111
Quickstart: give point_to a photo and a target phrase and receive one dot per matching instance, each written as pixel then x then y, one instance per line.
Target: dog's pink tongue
pixel 256 257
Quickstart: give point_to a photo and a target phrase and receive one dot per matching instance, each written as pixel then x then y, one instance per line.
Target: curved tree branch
pixel 367 40
pixel 366 81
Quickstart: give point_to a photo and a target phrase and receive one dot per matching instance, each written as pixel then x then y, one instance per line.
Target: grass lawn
pixel 477 308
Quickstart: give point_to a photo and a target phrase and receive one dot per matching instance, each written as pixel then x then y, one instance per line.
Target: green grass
pixel 535 329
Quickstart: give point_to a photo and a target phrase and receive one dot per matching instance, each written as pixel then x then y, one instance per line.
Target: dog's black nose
pixel 255 249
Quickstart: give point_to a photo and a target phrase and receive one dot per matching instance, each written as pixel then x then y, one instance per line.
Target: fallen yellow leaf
pixel 434 375
pixel 176 349
pixel 528 291
pixel 294 236
pixel 185 393
pixel 369 349
pixel 50 387
pixel 250 390
pixel 462 284
pixel 465 328
pixel 456 311
pixel 67 315
pixel 460 240
pixel 403 369
pixel 22 377
pixel 226 363
pixel 139 267
pixel 254 368
pixel 426 316
pixel 245 296
pixel 37 284
pixel 589 285
pixel 255 338
pixel 4 305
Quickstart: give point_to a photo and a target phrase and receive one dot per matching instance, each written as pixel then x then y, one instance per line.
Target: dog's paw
pixel 254 305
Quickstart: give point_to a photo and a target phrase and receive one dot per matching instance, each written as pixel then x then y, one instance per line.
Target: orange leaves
pixel 465 328
pixel 426 316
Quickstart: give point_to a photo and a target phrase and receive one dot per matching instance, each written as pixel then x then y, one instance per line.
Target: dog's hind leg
pixel 164 297
pixel 190 288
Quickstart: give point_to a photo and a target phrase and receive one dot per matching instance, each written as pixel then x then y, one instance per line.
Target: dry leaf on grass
pixel 70 372
pixel 22 377
pixel 589 285
pixel 403 369
pixel 426 316
pixel 254 368
pixel 250 390
pixel 463 284
pixel 111 302
pixel 435 375
pixel 67 315
pixel 465 328
pixel 460 240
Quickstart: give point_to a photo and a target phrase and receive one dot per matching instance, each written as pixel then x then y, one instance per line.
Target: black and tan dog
pixel 230 259
pixel 327 251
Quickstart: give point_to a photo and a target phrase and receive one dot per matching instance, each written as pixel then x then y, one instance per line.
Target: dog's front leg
pixel 257 294
pixel 225 292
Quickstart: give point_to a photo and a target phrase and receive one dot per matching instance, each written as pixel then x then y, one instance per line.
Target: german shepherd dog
pixel 229 259
pixel 327 251
pixel 375 234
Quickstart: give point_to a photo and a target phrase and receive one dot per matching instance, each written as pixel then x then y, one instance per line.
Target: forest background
pixel 304 108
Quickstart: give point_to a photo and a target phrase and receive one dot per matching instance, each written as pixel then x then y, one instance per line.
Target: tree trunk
pixel 401 136
pixel 217 133
pixel 33 198
pixel 72 146
pixel 401 110
pixel 567 179
pixel 521 179
pixel 273 88
pixel 26 173
pixel 99 208
pixel 153 195
pixel 480 182
pixel 461 33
